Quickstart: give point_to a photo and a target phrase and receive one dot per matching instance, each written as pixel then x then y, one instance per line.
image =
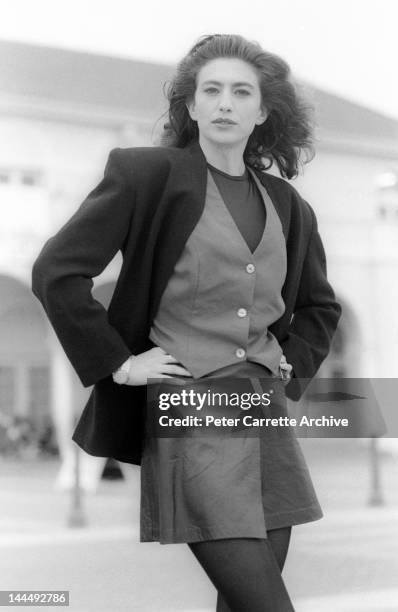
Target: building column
pixel 64 410
pixel 22 390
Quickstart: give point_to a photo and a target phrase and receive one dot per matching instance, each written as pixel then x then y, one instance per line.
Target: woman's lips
pixel 221 122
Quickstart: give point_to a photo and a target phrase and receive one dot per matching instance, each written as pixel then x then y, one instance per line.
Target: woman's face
pixel 227 104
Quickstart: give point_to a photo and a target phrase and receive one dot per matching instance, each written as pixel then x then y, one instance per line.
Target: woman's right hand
pixel 155 363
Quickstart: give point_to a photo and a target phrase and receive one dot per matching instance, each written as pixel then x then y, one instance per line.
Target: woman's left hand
pixel 285 370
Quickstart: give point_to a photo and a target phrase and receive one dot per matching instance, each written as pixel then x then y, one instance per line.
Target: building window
pixel 24 177
pixel 387 196
pixel 30 179
pixel 4 177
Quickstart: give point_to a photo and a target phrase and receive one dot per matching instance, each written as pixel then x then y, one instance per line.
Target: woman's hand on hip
pixel 285 370
pixel 155 363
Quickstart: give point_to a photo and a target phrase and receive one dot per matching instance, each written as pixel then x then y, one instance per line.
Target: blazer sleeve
pixel 62 275
pixel 314 320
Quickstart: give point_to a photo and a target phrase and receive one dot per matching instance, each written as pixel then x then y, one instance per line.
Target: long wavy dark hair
pixel 287 134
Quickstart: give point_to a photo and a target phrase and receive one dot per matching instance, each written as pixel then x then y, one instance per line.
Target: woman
pixel 223 275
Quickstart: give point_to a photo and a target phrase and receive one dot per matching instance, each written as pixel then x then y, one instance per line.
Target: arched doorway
pixel 24 355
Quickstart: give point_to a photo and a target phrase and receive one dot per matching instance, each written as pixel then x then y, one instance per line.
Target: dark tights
pixel 247 571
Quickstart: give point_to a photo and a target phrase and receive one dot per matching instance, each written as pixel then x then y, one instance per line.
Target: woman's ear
pixel 191 109
pixel 262 116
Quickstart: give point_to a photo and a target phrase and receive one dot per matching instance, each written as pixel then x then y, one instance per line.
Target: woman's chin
pixel 224 138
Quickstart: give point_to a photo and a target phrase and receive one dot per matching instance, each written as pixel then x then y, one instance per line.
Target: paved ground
pixel 347 562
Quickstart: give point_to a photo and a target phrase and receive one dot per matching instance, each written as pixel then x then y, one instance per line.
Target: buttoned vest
pixel 221 298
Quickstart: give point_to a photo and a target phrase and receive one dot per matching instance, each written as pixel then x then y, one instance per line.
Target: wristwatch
pixel 121 375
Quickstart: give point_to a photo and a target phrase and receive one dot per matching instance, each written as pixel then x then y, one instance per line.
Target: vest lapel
pixel 283 211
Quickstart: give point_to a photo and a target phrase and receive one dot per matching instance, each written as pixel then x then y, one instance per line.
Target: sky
pixel 347 47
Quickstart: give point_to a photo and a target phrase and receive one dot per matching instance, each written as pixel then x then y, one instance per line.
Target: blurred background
pixel 80 78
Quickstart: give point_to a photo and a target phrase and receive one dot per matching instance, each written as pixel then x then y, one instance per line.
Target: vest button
pixel 242 312
pixel 250 268
pixel 240 353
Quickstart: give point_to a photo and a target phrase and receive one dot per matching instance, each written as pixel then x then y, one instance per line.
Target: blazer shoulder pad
pixel 147 162
pixel 147 155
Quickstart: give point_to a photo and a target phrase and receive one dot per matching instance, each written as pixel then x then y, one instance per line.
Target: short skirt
pixel 196 488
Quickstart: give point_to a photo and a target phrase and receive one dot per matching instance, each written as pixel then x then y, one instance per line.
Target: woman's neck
pixel 227 159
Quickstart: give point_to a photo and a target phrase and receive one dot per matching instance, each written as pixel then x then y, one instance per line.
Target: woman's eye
pixel 215 90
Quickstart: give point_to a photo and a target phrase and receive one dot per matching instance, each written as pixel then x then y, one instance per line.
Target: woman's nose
pixel 225 102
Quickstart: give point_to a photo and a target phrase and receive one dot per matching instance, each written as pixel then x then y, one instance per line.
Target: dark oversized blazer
pixel 147 204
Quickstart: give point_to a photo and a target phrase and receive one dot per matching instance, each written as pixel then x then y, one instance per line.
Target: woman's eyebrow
pixel 238 84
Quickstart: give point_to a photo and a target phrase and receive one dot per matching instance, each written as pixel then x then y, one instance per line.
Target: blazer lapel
pixel 198 167
pixel 185 199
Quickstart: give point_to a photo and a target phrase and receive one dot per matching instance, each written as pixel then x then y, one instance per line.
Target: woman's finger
pixel 167 358
pixel 177 370
pixel 159 348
